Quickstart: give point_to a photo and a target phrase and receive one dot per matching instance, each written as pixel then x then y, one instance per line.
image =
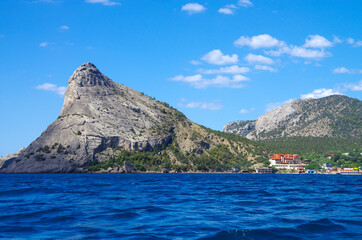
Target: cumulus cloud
pixel 354 87
pixel 280 47
pixel 341 70
pixel 253 58
pixel 44 44
pixel 317 41
pixel 192 8
pixel 226 11
pixel 259 41
pixel 104 2
pixel 228 70
pixel 301 52
pixel 319 93
pixel 52 88
pixel 265 68
pixel 218 58
pixel 214 105
pixel 64 27
pixel 198 81
pixel 244 111
pixel 245 3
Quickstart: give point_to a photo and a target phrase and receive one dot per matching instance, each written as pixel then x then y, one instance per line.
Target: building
pixel 349 171
pixel 264 170
pixel 287 161
pixel 311 171
pixel 235 169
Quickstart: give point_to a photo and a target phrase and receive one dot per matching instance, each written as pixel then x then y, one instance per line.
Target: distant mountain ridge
pixel 335 116
pixel 106 125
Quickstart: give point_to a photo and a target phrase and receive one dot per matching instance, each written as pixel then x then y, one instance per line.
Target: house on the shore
pixel 264 170
pixel 287 161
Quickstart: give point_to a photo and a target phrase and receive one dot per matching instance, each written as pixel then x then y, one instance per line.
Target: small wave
pixel 17 192
pixel 322 225
pixel 302 231
pixel 236 192
pixel 253 234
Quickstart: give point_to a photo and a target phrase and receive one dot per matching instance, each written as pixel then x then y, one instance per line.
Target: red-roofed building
pixel 289 161
pixel 285 159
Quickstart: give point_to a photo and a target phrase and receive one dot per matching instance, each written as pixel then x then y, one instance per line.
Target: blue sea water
pixel 180 206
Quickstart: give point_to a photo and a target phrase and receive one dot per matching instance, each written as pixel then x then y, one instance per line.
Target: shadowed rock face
pixel 97 114
pixel 332 116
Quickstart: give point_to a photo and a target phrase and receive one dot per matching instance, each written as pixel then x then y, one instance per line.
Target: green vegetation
pixel 305 145
pixel 352 159
pixel 313 165
pixel 219 158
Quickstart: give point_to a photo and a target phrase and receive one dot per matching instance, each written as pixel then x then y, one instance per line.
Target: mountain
pixel 106 125
pixel 334 116
pixel 302 126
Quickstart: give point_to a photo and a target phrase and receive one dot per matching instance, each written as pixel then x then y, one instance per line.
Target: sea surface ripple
pixel 180 206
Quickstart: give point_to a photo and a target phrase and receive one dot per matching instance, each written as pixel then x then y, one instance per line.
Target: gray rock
pixel 97 115
pixel 332 116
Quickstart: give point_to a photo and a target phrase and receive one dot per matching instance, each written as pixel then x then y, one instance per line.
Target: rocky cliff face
pixel 333 116
pixel 99 116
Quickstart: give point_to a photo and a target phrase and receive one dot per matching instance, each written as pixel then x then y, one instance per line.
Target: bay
pixel 180 206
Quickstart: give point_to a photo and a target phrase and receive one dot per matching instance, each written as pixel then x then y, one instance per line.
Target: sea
pixel 180 206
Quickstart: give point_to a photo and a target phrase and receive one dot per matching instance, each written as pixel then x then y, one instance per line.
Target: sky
pixel 216 61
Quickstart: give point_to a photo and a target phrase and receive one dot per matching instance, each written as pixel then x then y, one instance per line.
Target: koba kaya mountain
pixel 334 116
pixel 105 124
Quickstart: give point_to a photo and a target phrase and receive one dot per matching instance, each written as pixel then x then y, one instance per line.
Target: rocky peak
pixel 332 116
pixel 88 75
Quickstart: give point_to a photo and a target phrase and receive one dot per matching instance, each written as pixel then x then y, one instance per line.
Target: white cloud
pixel 317 41
pixel 253 58
pixel 271 106
pixel 350 40
pixel 299 52
pixel 64 27
pixel 229 70
pixel 265 68
pixel 259 41
pixel 214 105
pixel 319 93
pixel 231 6
pixel 307 53
pixel 216 57
pixel 104 2
pixel 2 35
pixel 244 111
pixel 198 81
pixel 354 43
pixel 354 87
pixel 358 44
pixel 44 44
pixel 245 3
pixel 337 39
pixel 280 47
pixel 226 11
pixel 341 70
pixel 194 62
pixel 52 88
pixel 192 8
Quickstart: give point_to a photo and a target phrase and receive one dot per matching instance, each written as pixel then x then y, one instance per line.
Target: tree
pixel 313 165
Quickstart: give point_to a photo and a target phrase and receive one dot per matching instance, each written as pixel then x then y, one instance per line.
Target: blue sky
pixel 216 61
